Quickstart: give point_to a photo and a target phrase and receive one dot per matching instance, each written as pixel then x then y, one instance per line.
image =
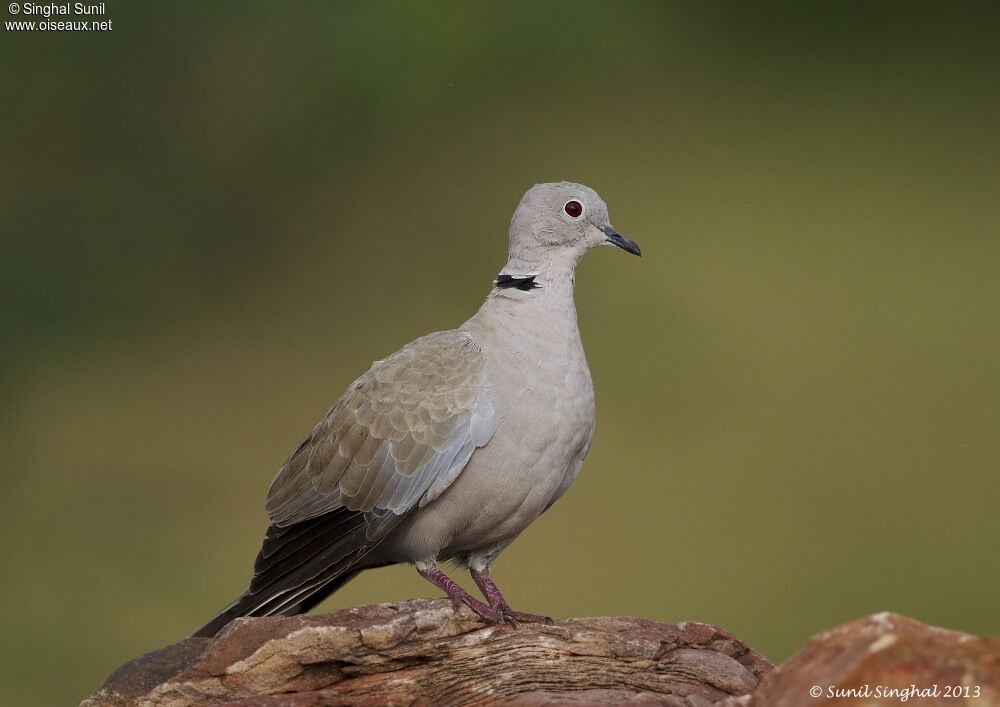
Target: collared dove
pixel 450 447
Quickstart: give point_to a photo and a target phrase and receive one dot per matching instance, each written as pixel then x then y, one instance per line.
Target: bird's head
pixel 561 221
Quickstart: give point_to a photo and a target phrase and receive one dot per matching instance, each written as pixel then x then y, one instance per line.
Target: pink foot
pixel 492 592
pixel 460 596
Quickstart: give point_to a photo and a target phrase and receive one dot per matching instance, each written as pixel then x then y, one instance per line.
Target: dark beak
pixel 619 240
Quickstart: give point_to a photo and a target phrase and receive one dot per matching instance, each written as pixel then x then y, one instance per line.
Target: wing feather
pixel 399 436
pixel 407 426
pixel 404 429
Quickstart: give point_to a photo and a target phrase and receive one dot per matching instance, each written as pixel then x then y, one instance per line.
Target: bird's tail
pixel 299 565
pixel 250 605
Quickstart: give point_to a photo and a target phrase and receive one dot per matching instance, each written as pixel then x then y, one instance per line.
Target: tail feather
pixel 302 564
pixel 293 556
pixel 247 602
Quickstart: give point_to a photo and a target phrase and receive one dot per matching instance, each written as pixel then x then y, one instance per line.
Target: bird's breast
pixel 540 386
pixel 542 390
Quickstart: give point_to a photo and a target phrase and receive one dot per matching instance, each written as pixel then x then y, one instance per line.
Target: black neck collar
pixel 506 282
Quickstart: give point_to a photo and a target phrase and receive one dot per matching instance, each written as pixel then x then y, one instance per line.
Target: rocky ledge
pixel 426 652
pixel 423 652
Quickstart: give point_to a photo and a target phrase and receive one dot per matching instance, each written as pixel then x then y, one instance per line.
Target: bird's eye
pixel 573 208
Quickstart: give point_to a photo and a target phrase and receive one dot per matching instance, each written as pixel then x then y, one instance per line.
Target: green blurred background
pixel 215 216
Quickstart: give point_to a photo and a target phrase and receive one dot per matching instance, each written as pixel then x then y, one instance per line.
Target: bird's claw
pixel 506 615
pixel 513 617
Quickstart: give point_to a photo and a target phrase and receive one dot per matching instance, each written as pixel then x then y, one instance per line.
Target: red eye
pixel 573 208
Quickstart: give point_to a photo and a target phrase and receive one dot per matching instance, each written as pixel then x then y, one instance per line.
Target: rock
pixel 885 659
pixel 425 652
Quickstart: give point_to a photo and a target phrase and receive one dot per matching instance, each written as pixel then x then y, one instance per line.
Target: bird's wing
pixel 396 440
pixel 398 437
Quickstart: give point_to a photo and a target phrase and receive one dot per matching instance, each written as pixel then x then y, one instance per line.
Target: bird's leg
pixel 458 595
pixel 493 594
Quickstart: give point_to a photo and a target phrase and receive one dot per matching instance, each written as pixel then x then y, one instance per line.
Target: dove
pixel 449 448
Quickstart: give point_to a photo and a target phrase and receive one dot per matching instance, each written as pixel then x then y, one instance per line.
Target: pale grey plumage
pixel 399 435
pixel 450 447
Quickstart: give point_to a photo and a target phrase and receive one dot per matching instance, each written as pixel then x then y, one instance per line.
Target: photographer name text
pixel 68 16
pixel 52 9
pixel 902 694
